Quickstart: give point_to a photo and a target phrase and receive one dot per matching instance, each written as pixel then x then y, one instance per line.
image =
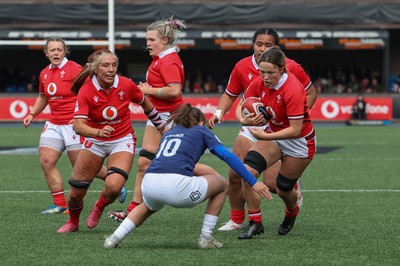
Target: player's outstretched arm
pixel 236 164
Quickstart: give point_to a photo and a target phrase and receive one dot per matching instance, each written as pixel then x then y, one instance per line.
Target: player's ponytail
pixel 187 116
pixel 169 28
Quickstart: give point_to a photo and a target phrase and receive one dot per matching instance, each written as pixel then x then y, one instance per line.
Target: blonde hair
pixel 46 46
pixel 93 63
pixel 168 28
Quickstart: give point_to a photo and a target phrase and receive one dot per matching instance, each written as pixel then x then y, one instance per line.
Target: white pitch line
pixel 356 159
pixel 350 190
pixel 304 190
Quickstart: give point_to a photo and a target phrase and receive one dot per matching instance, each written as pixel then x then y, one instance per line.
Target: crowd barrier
pixel 327 108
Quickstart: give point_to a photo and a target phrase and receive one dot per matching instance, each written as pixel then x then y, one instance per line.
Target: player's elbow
pixel 175 93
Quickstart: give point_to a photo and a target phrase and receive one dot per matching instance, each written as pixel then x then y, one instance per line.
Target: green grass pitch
pixel 350 214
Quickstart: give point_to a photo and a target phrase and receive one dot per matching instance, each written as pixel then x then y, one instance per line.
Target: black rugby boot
pixel 286 225
pixel 251 229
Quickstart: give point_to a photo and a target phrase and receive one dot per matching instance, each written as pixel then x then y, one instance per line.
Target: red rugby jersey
pixel 246 70
pixel 100 108
pixel 287 101
pixel 55 83
pixel 166 68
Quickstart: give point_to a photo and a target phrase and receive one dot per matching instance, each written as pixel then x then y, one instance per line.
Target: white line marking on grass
pixel 357 159
pixel 304 190
pixel 42 191
pixel 344 143
pixel 351 190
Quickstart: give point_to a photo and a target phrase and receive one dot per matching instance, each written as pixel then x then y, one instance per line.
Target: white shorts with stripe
pixel 60 137
pixel 105 148
pixel 304 147
pixel 176 190
pixel 245 132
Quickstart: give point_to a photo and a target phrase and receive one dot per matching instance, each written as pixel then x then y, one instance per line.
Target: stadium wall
pixel 298 14
pixel 328 108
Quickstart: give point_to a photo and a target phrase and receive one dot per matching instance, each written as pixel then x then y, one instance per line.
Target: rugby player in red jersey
pixel 164 82
pixel 102 115
pixel 244 72
pixel 290 138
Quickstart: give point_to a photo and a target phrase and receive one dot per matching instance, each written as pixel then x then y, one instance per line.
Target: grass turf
pixel 349 215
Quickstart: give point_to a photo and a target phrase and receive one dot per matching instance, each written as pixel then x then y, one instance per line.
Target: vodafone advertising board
pixel 325 109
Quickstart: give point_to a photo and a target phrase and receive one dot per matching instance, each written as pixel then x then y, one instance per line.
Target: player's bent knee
pixel 147 154
pixel 79 184
pixel 116 170
pixel 284 183
pixel 256 161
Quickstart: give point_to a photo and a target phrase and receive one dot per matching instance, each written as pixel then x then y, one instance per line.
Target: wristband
pixel 155 118
pixel 31 114
pixel 98 133
pixel 160 92
pixel 218 113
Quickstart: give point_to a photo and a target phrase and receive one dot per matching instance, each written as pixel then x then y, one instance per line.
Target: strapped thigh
pixel 284 183
pixel 256 161
pixel 147 154
pixel 113 170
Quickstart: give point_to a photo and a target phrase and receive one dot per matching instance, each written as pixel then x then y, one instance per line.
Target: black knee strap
pixel 79 184
pixel 147 154
pixel 256 161
pixel 113 170
pixel 284 183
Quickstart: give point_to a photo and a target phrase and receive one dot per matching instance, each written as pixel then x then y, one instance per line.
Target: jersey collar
pixel 253 60
pixel 167 52
pixel 64 61
pixel 281 81
pixel 97 85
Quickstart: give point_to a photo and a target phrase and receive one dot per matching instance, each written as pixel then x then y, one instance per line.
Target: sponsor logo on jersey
pixel 52 88
pixel 110 113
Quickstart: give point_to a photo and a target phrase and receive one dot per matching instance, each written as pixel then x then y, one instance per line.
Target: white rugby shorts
pixel 175 190
pixel 304 147
pixel 105 148
pixel 60 137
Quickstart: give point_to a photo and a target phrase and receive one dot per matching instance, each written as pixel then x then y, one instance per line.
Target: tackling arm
pixel 235 163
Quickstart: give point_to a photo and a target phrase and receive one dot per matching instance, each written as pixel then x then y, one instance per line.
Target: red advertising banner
pixel 340 109
pixel 325 109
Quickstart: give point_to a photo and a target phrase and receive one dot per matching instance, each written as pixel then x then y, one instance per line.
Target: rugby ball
pixel 252 105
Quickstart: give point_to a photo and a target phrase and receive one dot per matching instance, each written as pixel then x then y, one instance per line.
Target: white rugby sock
pixel 125 228
pixel 209 223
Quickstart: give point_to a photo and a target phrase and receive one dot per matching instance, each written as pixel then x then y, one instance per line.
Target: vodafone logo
pixel 110 113
pixel 270 112
pixel 18 109
pixel 52 88
pixel 272 115
pixel 330 109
